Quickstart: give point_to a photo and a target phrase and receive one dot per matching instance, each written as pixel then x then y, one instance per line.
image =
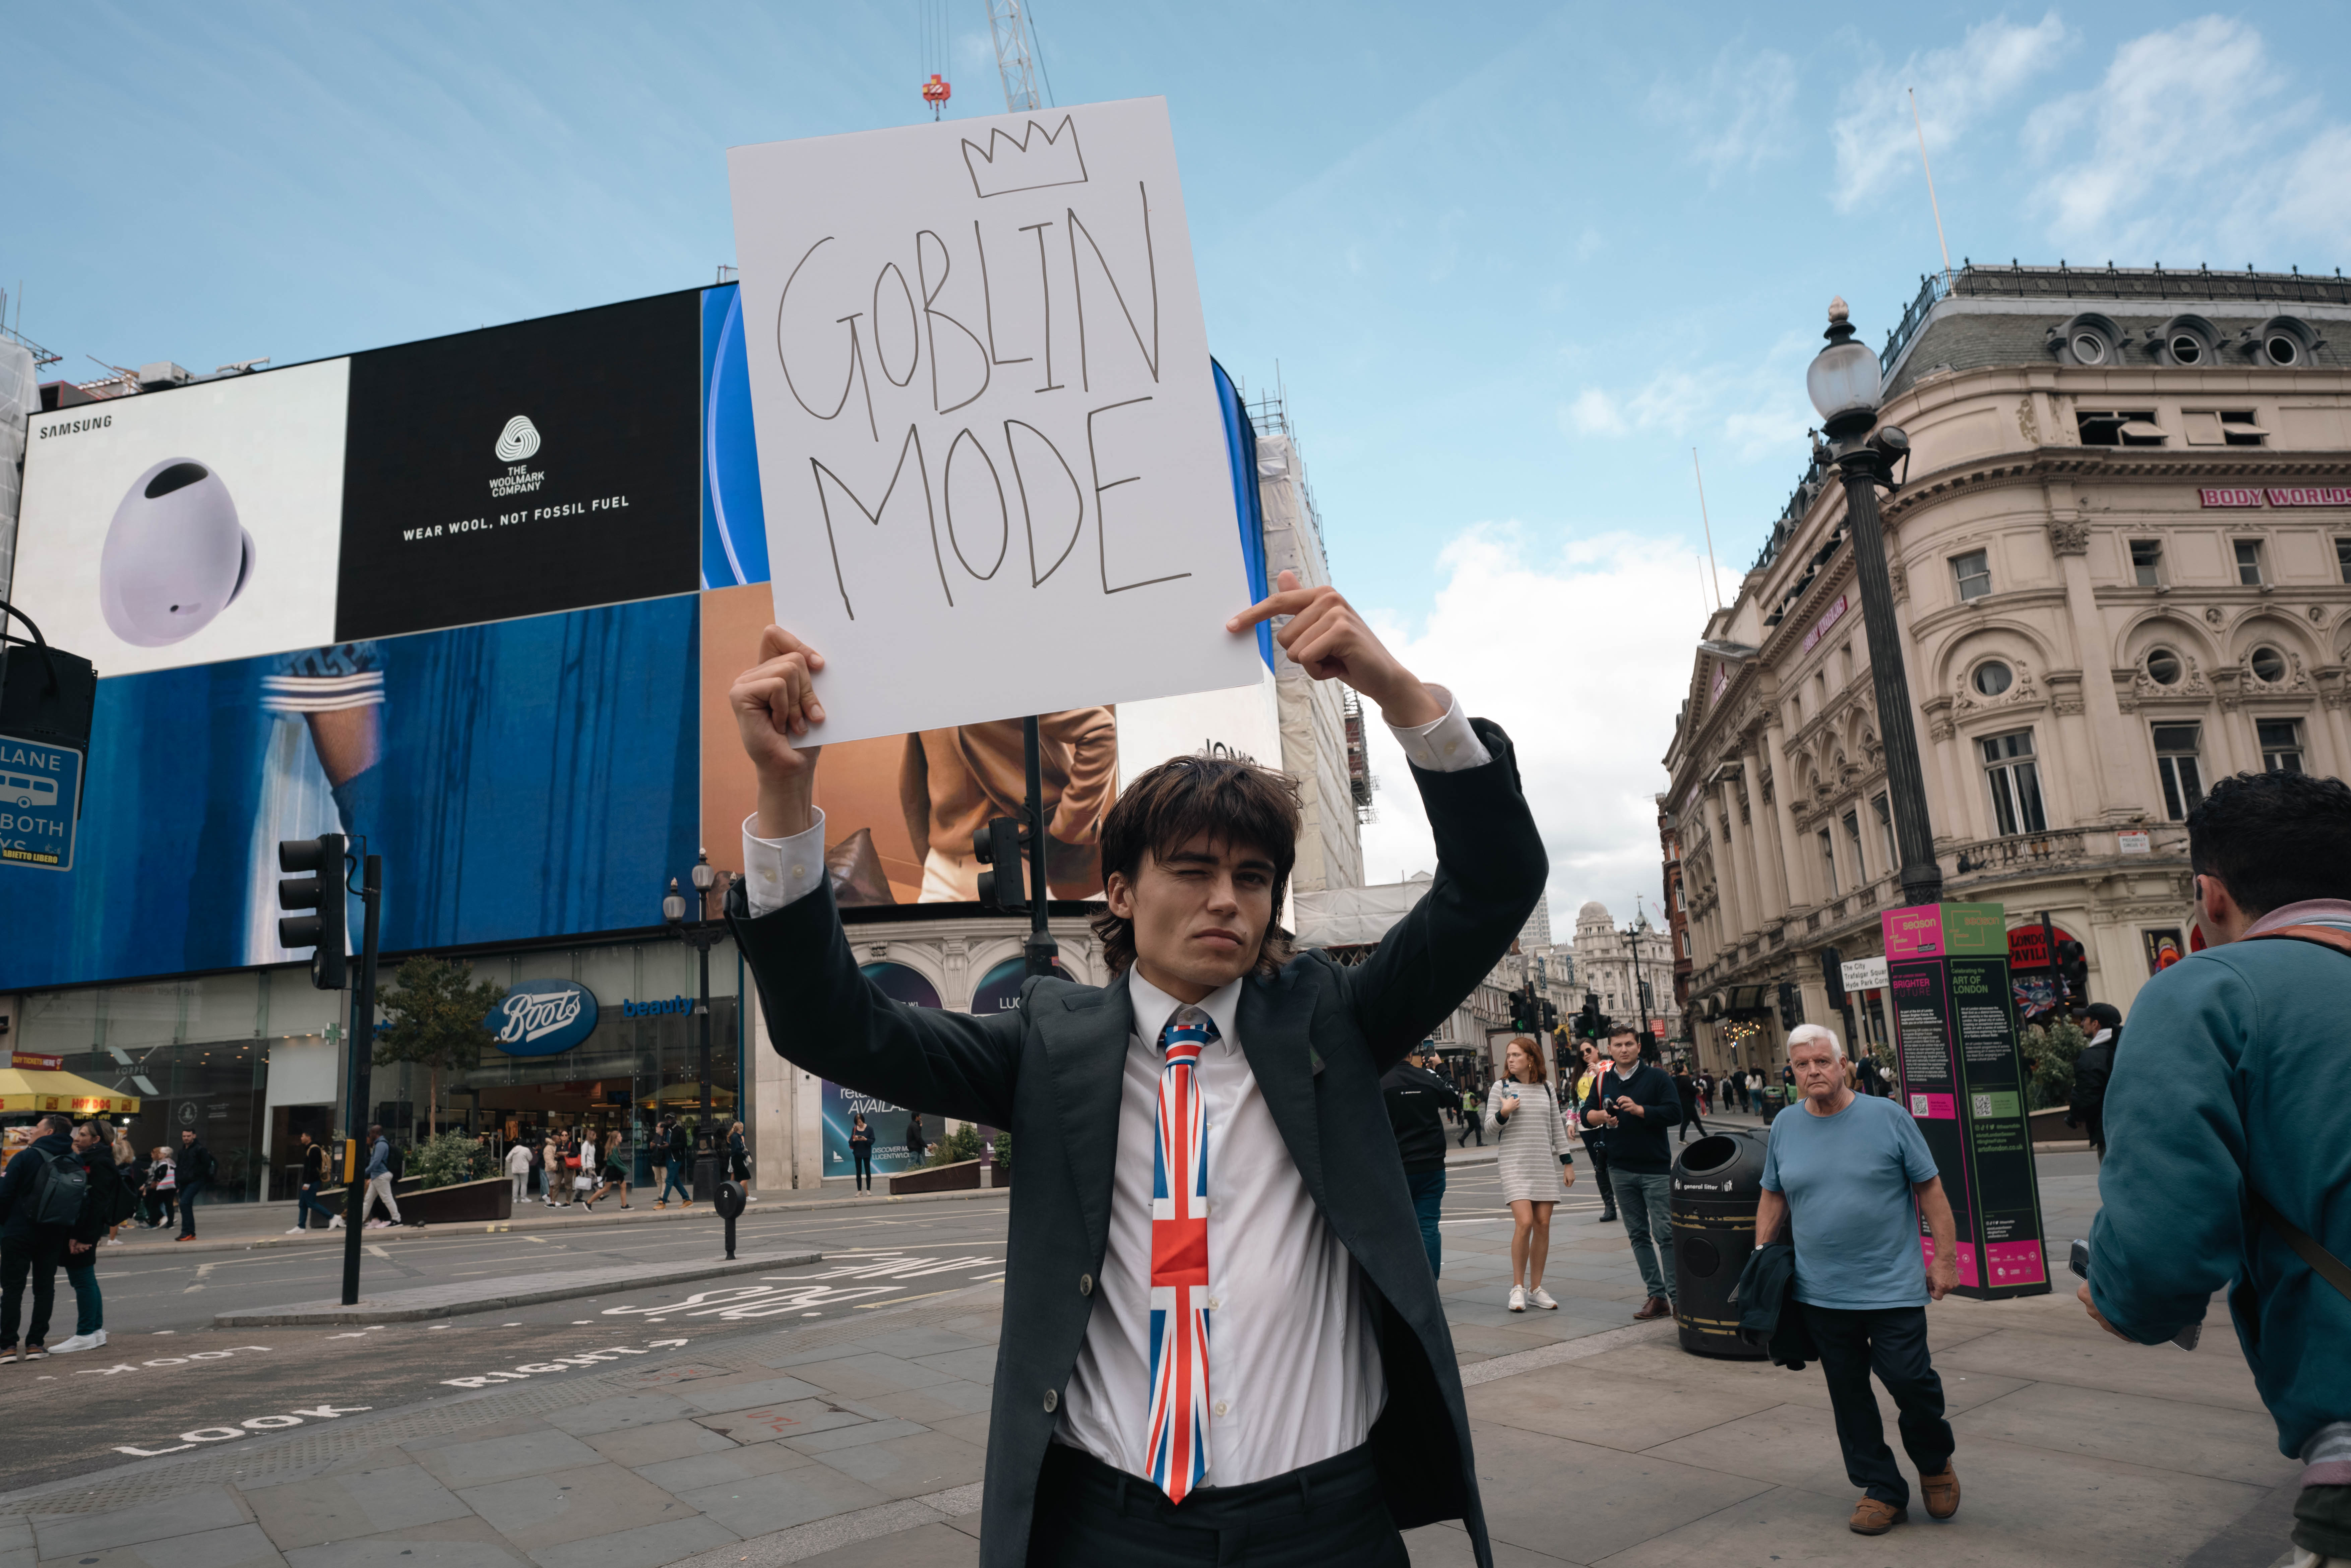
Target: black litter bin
pixel 1718 1181
pixel 706 1177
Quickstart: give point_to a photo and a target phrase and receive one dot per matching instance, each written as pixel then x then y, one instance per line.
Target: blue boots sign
pixel 542 1018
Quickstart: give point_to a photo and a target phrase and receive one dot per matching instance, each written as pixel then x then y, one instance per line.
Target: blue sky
pixel 1513 261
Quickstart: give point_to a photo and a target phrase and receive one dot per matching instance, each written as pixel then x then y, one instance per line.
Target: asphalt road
pixel 166 1371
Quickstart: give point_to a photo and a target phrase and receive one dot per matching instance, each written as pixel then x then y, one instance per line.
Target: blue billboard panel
pixel 734 519
pixel 522 778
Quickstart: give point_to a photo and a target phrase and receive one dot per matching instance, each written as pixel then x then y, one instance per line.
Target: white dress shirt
pixel 1294 1373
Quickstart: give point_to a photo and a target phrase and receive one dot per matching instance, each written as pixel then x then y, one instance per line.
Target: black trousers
pixel 38 1256
pixel 1598 1154
pixel 864 1172
pixel 188 1190
pixel 1892 1342
pixel 1324 1515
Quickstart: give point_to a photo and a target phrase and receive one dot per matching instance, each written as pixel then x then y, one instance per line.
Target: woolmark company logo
pixel 515 444
pixel 519 440
pixel 542 1018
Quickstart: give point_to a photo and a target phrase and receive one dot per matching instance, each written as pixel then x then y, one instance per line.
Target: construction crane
pixel 1016 61
pixel 1013 61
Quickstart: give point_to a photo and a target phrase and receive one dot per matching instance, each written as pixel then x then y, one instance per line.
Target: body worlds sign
pixel 986 419
pixel 542 1018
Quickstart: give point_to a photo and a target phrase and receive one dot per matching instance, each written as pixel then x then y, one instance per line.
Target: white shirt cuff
pixel 1443 745
pixel 778 871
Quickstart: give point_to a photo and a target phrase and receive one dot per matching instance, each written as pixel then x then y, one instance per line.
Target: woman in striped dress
pixel 1532 1144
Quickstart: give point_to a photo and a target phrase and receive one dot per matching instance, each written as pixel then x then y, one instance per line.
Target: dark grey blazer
pixel 1318 1037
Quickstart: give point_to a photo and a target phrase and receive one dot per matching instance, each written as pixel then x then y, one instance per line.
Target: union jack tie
pixel 1179 1444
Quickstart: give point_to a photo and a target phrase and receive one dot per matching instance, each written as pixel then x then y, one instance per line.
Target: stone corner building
pixel 2121 560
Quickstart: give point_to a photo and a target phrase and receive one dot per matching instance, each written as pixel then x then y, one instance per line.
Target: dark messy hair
pixel 2274 839
pixel 1168 806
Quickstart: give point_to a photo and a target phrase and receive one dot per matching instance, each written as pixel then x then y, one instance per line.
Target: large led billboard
pixel 526 718
pixel 190 526
pixel 521 779
pixel 542 466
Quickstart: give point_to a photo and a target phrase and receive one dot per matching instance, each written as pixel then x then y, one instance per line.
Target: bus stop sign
pixel 40 799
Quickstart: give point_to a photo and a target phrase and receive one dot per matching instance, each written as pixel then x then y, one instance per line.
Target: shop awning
pixel 28 1090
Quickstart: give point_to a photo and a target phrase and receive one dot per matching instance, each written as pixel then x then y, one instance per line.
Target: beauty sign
pixel 990 452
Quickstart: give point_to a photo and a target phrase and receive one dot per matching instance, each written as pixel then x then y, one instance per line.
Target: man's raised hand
pixel 1327 639
pixel 775 703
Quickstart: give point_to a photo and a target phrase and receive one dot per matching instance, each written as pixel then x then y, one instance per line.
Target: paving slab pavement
pixel 860 1443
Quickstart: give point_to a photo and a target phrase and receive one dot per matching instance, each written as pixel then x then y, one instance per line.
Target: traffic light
pixel 2074 972
pixel 1549 1019
pixel 322 889
pixel 1589 1024
pixel 1791 1005
pixel 1833 976
pixel 998 845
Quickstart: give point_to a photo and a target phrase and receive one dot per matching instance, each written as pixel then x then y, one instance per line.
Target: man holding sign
pixel 1222 1342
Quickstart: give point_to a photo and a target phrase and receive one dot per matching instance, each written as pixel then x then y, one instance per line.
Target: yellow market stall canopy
pixel 40 1083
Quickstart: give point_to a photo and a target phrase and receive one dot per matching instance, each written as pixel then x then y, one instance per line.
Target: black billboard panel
pixel 521 470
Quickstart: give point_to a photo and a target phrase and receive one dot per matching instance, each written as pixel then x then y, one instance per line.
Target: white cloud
pixel 1594 413
pixel 1584 657
pixel 1741 116
pixel 2201 107
pixel 1877 143
pixel 1759 407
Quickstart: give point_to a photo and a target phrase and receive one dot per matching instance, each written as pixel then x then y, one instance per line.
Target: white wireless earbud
pixel 174 556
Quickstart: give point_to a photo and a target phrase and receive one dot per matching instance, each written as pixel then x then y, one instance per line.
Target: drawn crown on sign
pixel 1036 158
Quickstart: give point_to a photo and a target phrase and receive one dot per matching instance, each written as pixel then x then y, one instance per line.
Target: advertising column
pixel 1955 1034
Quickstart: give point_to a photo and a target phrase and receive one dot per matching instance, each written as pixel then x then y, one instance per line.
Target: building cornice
pixel 2142 463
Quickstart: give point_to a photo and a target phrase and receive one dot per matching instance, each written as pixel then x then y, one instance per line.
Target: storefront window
pixel 640 1063
pixel 236 1058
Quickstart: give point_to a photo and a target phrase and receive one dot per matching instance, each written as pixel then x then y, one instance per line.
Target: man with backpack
pixel 2226 1163
pixel 41 1195
pixel 196 1166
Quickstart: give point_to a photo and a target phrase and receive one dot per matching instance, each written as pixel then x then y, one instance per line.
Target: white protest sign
pixel 990 449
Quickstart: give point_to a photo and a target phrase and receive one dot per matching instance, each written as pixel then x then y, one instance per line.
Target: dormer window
pixel 2285 342
pixel 2187 342
pixel 2088 339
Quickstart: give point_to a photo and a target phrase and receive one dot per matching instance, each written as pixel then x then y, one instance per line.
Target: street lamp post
pixel 701 933
pixel 1633 934
pixel 1844 385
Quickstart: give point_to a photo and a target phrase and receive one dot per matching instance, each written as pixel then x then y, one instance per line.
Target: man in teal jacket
pixel 2227 1162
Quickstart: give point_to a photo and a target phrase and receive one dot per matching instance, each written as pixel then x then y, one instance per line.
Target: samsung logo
pixel 76 426
pixel 542 1018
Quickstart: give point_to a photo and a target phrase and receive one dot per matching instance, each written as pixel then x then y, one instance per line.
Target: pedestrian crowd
pixel 62 1197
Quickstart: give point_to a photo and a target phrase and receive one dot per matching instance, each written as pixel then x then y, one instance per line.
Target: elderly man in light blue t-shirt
pixel 1854 1174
